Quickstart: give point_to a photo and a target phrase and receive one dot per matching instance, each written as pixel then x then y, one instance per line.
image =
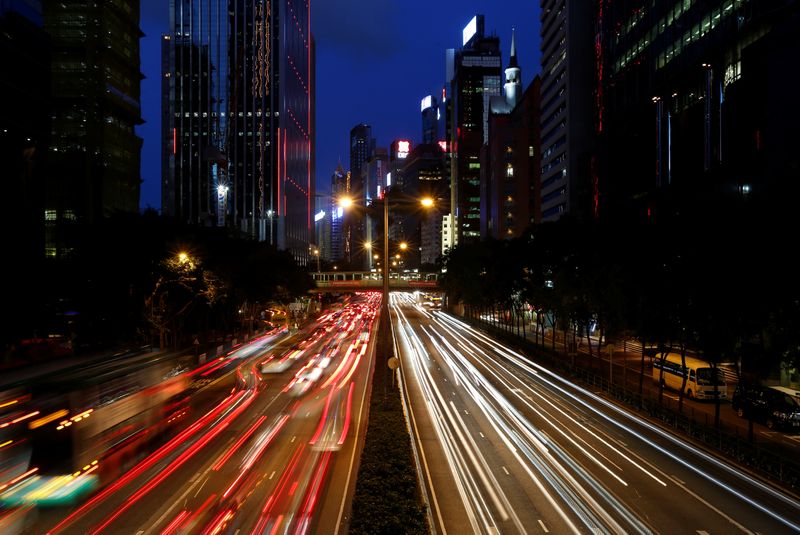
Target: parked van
pixel 775 406
pixel 702 381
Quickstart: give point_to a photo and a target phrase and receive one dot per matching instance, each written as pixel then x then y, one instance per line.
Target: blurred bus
pixel 106 426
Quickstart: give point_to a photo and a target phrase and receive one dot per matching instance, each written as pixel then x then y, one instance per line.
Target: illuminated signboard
pixel 319 215
pixel 388 179
pixel 426 103
pixel 443 145
pixel 470 30
pixel 403 148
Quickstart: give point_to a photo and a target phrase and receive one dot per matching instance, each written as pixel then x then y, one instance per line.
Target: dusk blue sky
pixel 376 59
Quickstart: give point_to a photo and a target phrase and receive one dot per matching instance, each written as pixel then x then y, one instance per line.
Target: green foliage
pixel 709 273
pixel 387 498
pixel 124 281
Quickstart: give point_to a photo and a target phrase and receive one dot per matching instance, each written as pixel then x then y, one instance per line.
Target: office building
pixel 94 158
pixel 567 109
pixel 374 171
pixel 238 119
pixel 424 176
pixel 474 76
pixel 510 168
pixel 702 97
pixel 340 187
pixel 509 181
pixel 323 227
pixel 429 109
pixel 362 145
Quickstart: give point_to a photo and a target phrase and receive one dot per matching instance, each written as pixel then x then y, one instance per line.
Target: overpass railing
pixel 374 280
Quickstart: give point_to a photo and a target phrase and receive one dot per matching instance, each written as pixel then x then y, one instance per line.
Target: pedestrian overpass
pixel 351 281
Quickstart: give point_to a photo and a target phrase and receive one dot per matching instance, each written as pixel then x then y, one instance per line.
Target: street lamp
pixel 316 253
pixel 384 343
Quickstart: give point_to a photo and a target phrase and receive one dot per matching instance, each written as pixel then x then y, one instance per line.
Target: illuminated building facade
pixel 237 118
pixel 567 113
pixel 429 108
pixel 474 76
pixel 340 187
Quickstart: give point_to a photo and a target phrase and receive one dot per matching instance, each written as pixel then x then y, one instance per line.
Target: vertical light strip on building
pixel 280 177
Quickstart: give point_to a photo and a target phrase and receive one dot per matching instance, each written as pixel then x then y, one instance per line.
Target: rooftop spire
pixel 512 61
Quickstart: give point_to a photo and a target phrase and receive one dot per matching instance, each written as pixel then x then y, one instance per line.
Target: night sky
pixel 376 59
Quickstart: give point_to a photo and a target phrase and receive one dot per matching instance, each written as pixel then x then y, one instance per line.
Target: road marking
pixel 506 471
pixel 481 434
pixel 201 488
pixel 543 526
pixel 707 504
pixel 702 532
pixel 272 475
pixel 293 438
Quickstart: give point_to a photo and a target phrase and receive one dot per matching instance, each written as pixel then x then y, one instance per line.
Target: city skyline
pixel 409 45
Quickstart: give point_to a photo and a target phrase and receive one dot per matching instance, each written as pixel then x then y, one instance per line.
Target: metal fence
pixel 766 459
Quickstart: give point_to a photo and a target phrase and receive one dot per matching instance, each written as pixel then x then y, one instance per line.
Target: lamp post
pixel 384 338
pixel 316 253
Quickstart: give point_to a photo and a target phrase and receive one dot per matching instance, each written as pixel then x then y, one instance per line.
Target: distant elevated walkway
pixel 344 281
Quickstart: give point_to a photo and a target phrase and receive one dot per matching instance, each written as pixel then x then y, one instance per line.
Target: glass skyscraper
pixel 237 139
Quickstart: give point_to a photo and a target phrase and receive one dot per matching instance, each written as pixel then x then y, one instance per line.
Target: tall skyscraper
pixel 429 108
pixel 567 119
pixel 374 172
pixel 340 186
pixel 423 175
pixel 93 163
pixel 361 146
pixel 237 125
pixel 700 97
pixel 474 77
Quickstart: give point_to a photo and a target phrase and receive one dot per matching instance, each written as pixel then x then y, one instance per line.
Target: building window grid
pixel 708 23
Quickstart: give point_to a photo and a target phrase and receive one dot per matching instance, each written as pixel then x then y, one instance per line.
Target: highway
pixel 506 446
pixel 272 444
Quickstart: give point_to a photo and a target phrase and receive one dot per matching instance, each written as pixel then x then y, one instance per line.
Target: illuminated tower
pixel 474 80
pixel 237 118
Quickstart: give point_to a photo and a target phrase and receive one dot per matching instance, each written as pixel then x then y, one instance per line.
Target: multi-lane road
pixel 266 453
pixel 505 446
pixel 502 445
